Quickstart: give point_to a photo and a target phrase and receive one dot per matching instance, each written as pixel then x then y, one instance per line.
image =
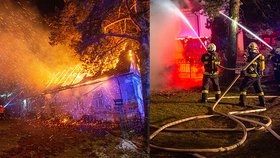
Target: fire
pixel 65 120
pixel 188 70
pixel 73 75
pixel 130 55
pixel 68 76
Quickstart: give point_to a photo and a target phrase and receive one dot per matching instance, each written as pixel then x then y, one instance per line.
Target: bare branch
pixel 122 35
pixel 123 19
pixel 131 15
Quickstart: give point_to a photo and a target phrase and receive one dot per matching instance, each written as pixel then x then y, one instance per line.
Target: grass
pixel 168 106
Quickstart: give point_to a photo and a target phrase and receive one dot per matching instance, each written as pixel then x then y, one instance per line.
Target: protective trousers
pixel 205 86
pixel 246 83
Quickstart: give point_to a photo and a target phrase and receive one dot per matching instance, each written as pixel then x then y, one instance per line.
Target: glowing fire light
pixel 130 55
pixel 51 81
pixel 183 17
pixel 71 74
pixel 244 28
pixel 77 77
pixel 57 79
pixel 101 79
pixel 65 74
pixel 124 46
pixel 65 120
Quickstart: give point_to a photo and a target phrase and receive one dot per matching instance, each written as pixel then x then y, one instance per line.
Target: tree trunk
pixel 145 69
pixel 231 54
pixel 145 77
pixel 219 29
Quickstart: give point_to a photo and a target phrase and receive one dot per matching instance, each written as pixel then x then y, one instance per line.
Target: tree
pixel 212 9
pixel 231 54
pixel 265 14
pixel 100 29
pixel 257 15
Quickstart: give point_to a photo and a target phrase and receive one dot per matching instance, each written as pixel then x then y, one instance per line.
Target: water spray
pixel 184 18
pixel 247 30
pixel 12 99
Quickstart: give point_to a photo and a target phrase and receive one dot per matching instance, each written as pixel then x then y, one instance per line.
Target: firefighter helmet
pixel 253 47
pixel 211 47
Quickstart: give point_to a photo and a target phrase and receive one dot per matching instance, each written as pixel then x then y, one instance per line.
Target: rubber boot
pixel 217 96
pixel 242 100
pixel 262 101
pixel 204 97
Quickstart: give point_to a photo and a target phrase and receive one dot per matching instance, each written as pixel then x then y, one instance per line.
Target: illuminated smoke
pixel 27 61
pixel 164 29
pixel 166 19
pixel 182 16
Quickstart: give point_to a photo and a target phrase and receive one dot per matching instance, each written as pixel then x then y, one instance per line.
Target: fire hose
pixel 235 116
pixel 227 68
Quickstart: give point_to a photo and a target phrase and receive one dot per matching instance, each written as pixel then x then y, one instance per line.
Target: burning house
pixel 116 99
pixel 94 98
pixel 189 49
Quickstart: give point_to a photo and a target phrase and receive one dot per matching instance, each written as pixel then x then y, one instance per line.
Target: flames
pixel 68 76
pixel 77 73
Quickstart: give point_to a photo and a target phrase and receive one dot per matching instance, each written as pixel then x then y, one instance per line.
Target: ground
pixel 36 138
pixel 171 105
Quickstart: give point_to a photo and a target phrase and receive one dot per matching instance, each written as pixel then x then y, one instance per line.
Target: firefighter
pixel 252 75
pixel 210 59
pixel 274 56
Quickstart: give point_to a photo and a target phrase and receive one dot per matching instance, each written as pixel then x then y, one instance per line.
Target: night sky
pixel 48 7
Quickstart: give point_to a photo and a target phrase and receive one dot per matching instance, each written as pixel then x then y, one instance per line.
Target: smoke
pixel 164 29
pixel 27 60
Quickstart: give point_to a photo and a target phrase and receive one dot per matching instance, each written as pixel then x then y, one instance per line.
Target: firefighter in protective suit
pixel 252 75
pixel 274 56
pixel 210 59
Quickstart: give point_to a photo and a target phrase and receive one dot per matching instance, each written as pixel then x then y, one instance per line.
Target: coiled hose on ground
pixel 236 116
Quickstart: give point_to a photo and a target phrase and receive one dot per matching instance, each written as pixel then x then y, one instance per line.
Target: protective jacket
pixel 211 62
pixel 252 76
pixel 257 67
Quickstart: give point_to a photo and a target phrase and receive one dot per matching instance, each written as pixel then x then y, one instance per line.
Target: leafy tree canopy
pixel 99 30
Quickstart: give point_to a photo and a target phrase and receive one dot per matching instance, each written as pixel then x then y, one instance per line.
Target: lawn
pixel 171 105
